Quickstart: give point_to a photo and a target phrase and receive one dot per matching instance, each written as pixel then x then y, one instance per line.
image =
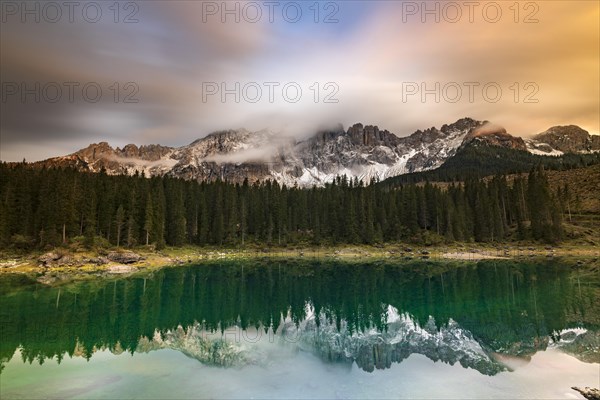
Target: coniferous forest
pixel 49 207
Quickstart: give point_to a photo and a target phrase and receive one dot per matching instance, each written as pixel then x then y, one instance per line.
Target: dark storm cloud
pixel 369 54
pixel 166 54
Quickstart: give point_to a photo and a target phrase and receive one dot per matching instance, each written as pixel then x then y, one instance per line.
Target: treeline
pixel 41 207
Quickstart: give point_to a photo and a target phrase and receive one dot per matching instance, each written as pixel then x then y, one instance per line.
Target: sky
pixel 170 72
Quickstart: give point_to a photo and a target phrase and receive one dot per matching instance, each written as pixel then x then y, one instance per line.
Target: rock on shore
pixel 125 257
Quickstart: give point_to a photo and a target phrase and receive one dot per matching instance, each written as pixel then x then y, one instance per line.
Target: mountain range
pixel 362 152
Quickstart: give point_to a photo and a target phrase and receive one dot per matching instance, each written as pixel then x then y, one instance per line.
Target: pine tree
pixel 449 219
pixel 149 219
pixel 539 204
pixel 192 216
pixel 131 227
pixel 350 222
pixel 48 207
pixel 567 200
pixel 159 214
pixel 119 222
pixel 90 221
pixel 557 228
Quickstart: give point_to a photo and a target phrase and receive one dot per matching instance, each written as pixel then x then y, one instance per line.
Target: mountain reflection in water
pixel 376 313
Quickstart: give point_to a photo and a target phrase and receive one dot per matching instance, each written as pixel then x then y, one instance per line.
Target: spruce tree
pixel 149 219
pixel 119 222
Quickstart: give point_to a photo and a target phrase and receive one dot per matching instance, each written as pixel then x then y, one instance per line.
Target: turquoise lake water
pixel 306 329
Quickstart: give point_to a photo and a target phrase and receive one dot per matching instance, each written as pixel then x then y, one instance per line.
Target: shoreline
pixel 127 261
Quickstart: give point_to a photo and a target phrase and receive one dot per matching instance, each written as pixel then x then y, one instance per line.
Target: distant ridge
pixel 363 152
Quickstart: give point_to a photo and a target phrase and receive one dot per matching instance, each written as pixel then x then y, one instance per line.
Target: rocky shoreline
pixel 62 264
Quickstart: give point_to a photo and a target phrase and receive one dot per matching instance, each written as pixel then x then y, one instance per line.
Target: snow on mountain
pixel 374 349
pixel 563 139
pixel 370 349
pixel 151 160
pixel 541 149
pixel 360 152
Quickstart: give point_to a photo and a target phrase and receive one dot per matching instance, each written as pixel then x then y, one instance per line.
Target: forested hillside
pixel 40 207
pixel 584 184
pixel 480 160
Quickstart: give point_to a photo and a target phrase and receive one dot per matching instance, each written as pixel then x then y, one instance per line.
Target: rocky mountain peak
pixel 96 151
pixel 153 152
pixel 221 136
pixel 129 149
pixel 463 124
pixel 371 135
pixel 495 135
pixel 362 151
pixel 560 131
pixel 568 139
pixel 103 151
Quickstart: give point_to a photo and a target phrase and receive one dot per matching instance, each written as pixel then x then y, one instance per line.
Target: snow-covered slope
pixel 375 349
pixel 360 152
pixel 370 349
pixel 563 139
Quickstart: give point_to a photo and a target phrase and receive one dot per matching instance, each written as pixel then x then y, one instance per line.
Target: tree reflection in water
pixel 372 313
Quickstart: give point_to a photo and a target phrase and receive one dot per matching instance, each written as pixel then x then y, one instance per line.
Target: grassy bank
pixel 106 260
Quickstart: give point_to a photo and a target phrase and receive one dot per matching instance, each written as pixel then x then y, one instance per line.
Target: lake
pixel 306 329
